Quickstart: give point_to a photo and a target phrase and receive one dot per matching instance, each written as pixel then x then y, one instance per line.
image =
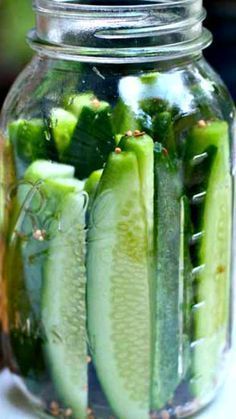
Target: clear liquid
pixel 116 296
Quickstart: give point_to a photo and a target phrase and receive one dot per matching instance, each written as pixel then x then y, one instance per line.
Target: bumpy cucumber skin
pixel 118 289
pixel 168 188
pixel 63 307
pixel 30 143
pixel 28 138
pixel 93 138
pixel 212 284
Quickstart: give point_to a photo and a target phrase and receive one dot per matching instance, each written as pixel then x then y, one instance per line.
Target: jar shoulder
pixel 185 87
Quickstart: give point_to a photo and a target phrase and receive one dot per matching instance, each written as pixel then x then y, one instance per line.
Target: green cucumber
pixel 63 306
pixel 118 288
pixel 186 287
pixel 124 118
pixel 56 183
pixel 28 137
pixel 31 256
pixel 213 260
pixel 44 186
pixel 92 182
pixel 168 189
pixel 62 124
pixel 75 103
pixel 91 186
pixel 30 142
pixel 43 169
pixel 142 145
pixel 93 138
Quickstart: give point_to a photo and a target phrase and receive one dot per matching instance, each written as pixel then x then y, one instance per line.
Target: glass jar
pixel 116 213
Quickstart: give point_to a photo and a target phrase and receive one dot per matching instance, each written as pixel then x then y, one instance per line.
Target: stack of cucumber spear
pixel 146 290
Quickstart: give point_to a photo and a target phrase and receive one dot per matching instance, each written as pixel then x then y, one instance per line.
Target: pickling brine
pixel 116 236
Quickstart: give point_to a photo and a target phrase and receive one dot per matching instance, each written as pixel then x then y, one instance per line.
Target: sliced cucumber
pixel 63 124
pixel 54 182
pixel 168 322
pixel 91 185
pixel 63 306
pixel 75 103
pixel 118 288
pixel 37 262
pixel 142 145
pixel 212 273
pixel 124 118
pixel 35 210
pixel 30 142
pixel 92 182
pixel 93 137
pixel 187 291
pixel 43 169
pixel 28 138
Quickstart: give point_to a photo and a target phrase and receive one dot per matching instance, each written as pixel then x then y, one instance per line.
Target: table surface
pixel 14 403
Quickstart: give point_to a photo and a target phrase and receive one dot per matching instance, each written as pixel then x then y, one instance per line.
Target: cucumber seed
pixel 129 133
pixel 202 123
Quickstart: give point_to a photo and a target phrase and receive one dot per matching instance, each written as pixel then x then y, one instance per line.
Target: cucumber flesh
pixel 43 169
pixel 168 327
pixel 63 124
pixel 212 279
pixel 118 288
pixel 63 306
pixel 142 145
pixel 75 103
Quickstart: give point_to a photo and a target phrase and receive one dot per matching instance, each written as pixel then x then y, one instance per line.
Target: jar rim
pixel 62 6
pixel 134 30
pixel 120 56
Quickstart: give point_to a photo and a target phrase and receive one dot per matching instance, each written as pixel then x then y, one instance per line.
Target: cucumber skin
pixel 212 285
pixel 188 290
pixel 91 186
pixel 117 232
pixel 29 142
pixel 92 140
pixel 124 119
pixel 64 309
pixel 168 189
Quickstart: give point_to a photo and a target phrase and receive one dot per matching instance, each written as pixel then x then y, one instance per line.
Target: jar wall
pixel 116 234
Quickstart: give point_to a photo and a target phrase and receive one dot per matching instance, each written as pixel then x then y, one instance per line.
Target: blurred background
pixel 16 17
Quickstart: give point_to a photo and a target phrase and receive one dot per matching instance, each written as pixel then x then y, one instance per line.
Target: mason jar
pixel 116 213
